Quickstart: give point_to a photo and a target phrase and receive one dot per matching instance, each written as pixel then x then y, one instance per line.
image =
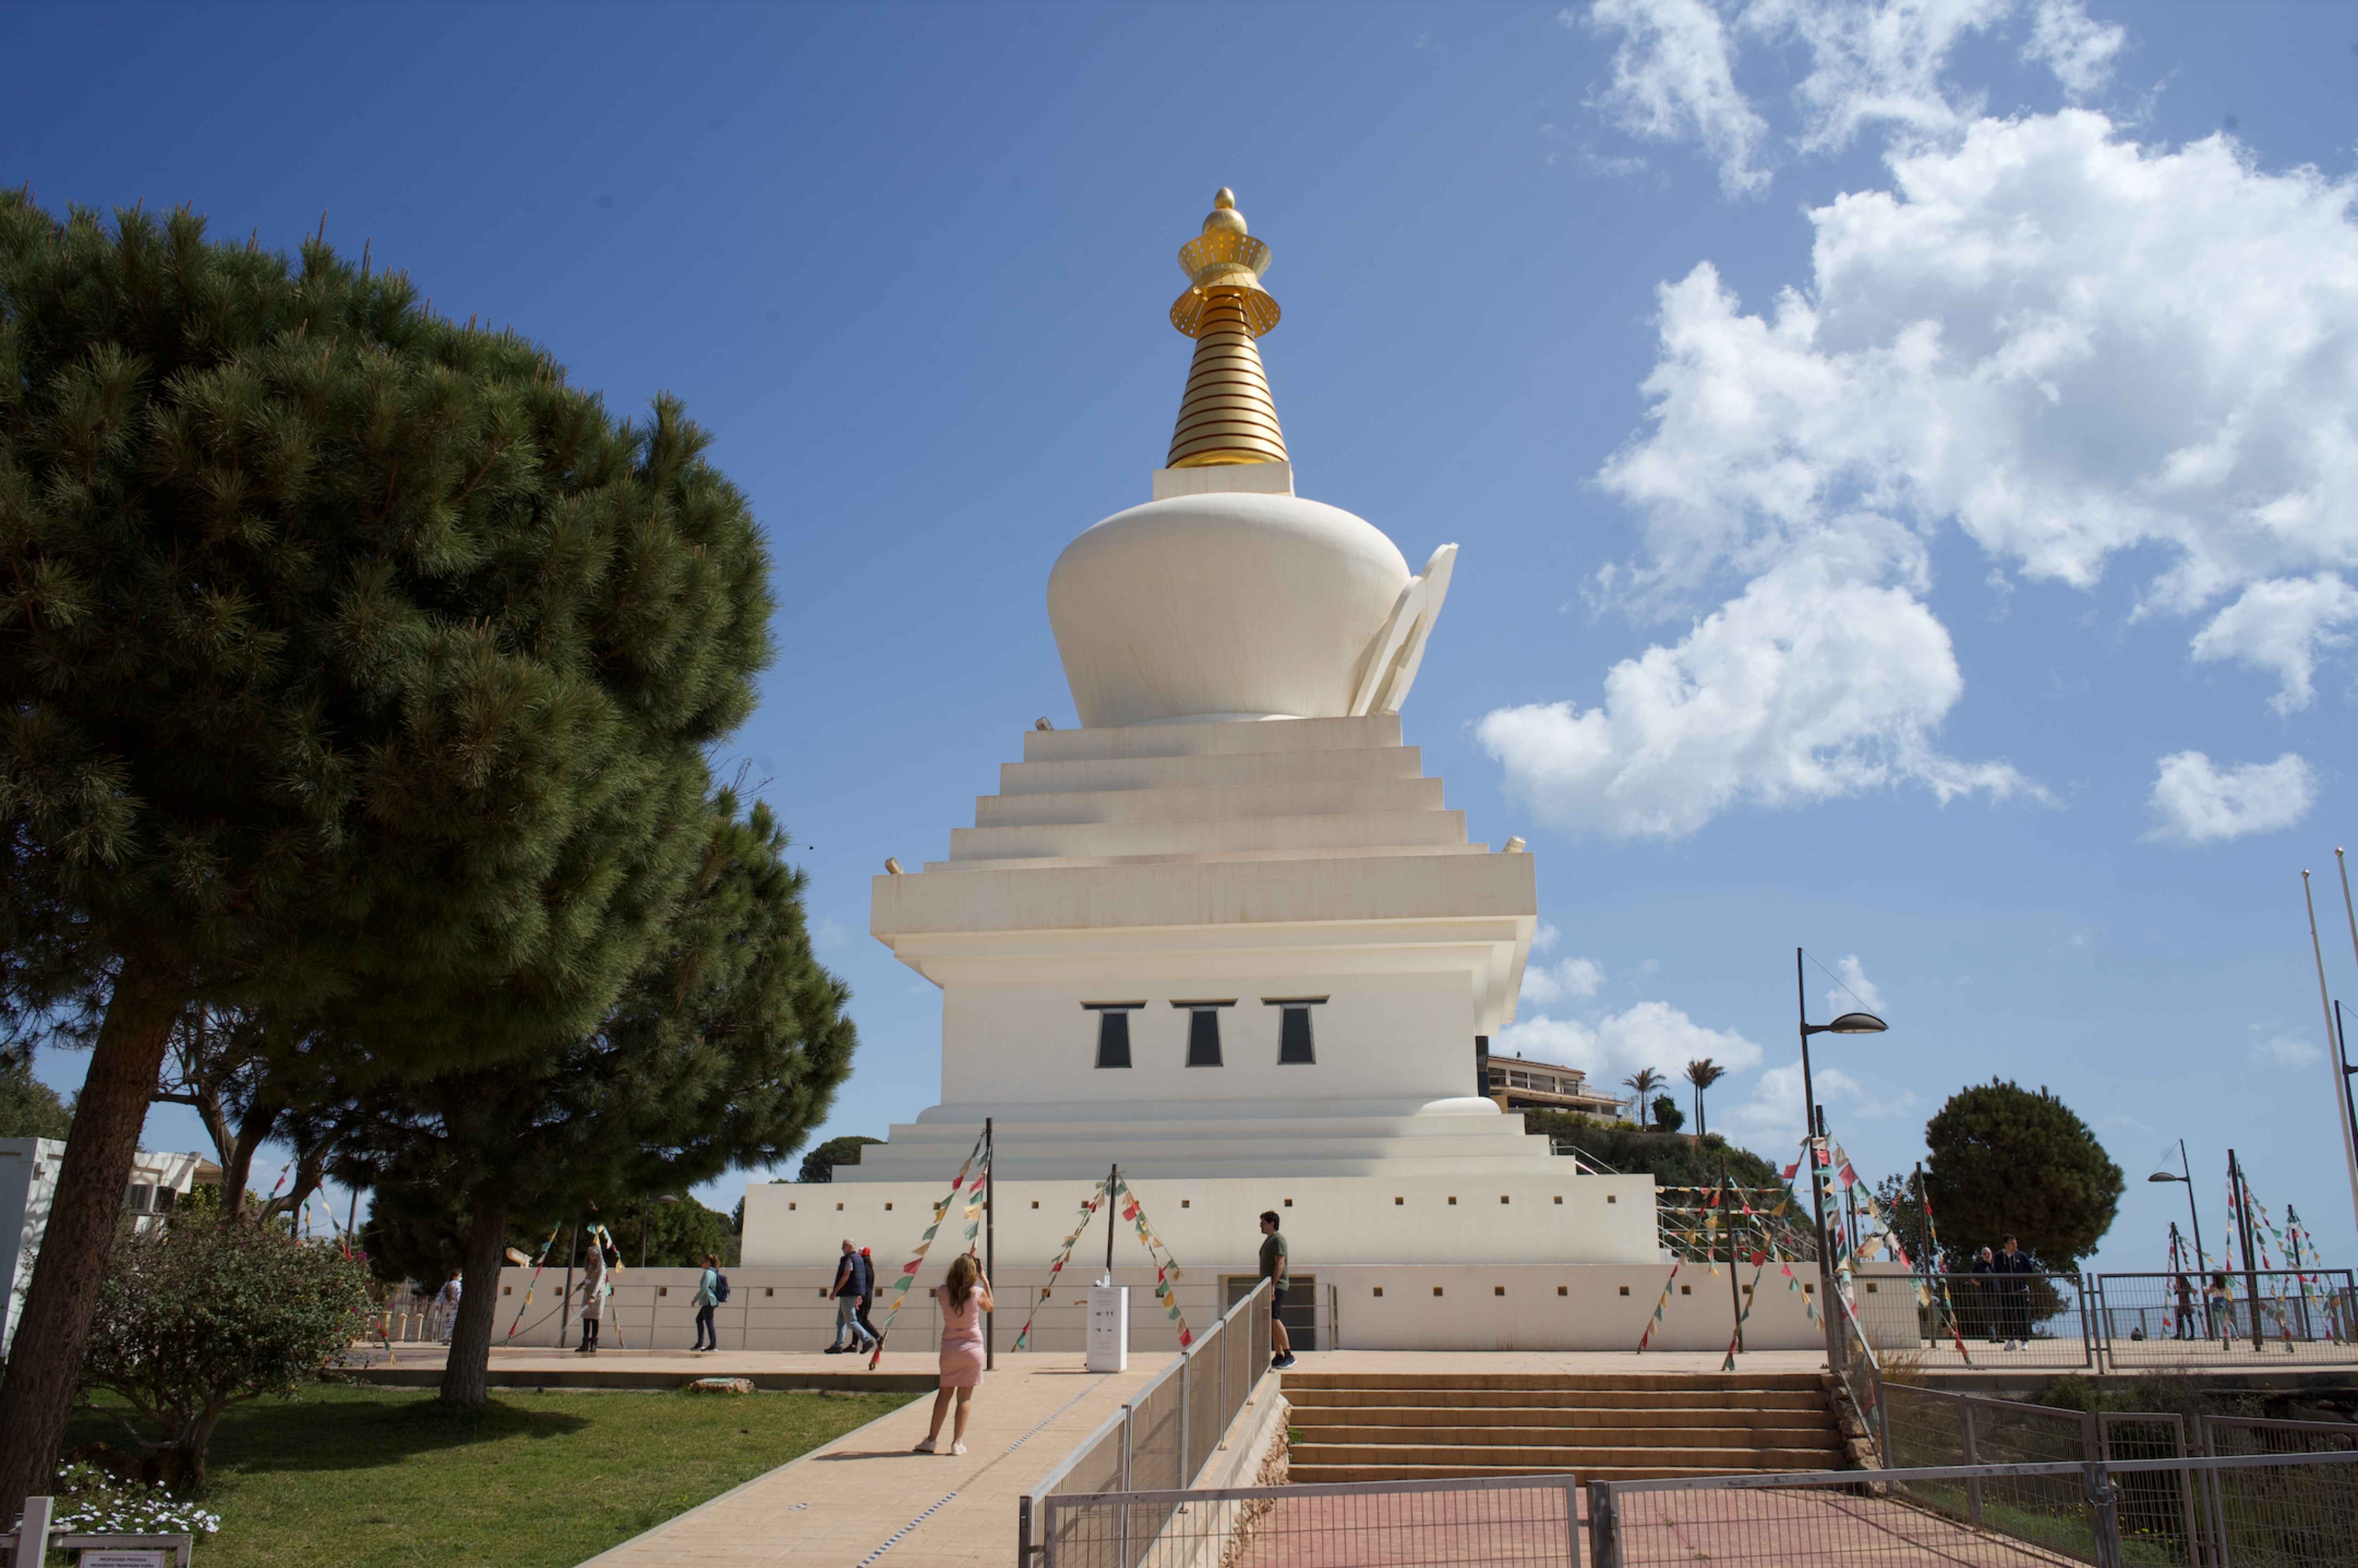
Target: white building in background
pixel 28 1183
pixel 1228 934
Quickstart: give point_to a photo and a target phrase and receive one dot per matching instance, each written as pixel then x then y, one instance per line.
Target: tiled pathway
pixel 865 1501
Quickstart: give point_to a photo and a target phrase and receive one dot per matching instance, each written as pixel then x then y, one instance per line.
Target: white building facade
pixel 1228 934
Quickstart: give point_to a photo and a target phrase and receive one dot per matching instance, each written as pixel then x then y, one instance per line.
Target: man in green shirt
pixel 1272 1269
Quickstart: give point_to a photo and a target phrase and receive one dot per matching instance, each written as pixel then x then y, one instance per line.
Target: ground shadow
pixel 271 1435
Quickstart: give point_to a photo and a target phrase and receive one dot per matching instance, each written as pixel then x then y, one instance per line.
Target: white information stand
pixel 1109 1328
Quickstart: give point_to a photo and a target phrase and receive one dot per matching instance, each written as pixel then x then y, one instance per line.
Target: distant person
pixel 2184 1315
pixel 446 1303
pixel 2014 1265
pixel 1272 1269
pixel 1981 1291
pixel 2218 1309
pixel 708 1296
pixel 593 1297
pixel 964 1297
pixel 869 1338
pixel 846 1292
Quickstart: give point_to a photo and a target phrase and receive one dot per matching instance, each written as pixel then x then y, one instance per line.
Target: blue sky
pixel 1905 457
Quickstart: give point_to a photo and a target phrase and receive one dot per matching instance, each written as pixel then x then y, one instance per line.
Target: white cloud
pixel 2079 351
pixel 1870 62
pixel 1862 991
pixel 1650 1034
pixel 2079 50
pixel 1772 1115
pixel 2279 625
pixel 1673 79
pixel 2070 345
pixel 2285 1051
pixel 1545 937
pixel 2195 803
pixel 1571 979
pixel 1809 685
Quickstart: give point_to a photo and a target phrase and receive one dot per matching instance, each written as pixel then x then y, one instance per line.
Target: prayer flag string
pixel 978 1156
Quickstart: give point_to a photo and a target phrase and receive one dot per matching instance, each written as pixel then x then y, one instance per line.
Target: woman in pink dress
pixel 965 1296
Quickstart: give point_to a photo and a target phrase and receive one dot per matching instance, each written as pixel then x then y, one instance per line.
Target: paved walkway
pixel 865 1501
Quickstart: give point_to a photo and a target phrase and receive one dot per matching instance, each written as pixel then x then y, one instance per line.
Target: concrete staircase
pixel 1412 1426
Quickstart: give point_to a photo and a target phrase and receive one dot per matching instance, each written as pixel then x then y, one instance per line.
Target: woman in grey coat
pixel 593 1297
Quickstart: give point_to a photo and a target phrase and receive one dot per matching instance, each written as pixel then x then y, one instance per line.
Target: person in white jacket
pixel 446 1303
pixel 593 1297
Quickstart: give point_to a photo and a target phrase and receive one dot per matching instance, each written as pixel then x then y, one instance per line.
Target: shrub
pixel 209 1311
pixel 1668 1117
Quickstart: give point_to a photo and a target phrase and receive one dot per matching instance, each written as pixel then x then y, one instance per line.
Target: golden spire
pixel 1225 414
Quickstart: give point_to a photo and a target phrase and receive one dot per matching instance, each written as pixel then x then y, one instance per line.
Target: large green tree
pixel 2005 1161
pixel 353 666
pixel 723 1050
pixel 819 1164
pixel 29 1107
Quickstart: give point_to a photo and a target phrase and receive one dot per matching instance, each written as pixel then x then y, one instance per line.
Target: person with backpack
pixel 712 1289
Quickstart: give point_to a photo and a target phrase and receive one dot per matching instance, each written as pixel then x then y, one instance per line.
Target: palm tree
pixel 1702 1075
pixel 1641 1083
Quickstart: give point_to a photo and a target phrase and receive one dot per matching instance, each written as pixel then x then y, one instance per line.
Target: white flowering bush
pixel 91 1502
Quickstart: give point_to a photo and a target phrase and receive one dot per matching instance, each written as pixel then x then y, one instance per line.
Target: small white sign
pixel 1109 1328
pixel 112 1557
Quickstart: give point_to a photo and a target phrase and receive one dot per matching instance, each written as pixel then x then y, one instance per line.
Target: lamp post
pixel 2187 1175
pixel 667 1197
pixel 1848 1024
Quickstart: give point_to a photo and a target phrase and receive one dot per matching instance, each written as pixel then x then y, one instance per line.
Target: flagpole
pixel 990 1240
pixel 2333 1045
pixel 1735 1297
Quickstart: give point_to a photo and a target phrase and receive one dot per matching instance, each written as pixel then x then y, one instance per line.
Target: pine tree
pixel 2005 1161
pixel 351 665
pixel 724 1050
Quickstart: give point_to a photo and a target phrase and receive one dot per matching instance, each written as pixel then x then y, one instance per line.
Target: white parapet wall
pixel 1476 1307
pixel 1555 1216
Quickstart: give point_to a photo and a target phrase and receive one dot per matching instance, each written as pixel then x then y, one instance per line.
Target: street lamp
pixel 1848 1024
pixel 2186 1173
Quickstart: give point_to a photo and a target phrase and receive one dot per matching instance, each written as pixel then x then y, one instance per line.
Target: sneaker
pixel 832 1350
pixel 958 1447
pixel 1283 1362
pixel 924 1446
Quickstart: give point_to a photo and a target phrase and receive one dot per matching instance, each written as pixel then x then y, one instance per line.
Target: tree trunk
pixel 466 1372
pixel 45 1364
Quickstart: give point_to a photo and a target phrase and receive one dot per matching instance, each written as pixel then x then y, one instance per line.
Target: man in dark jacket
pixel 2015 1267
pixel 845 1294
pixel 868 1300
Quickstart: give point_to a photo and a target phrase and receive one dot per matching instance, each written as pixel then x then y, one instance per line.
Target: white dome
pixel 1227 605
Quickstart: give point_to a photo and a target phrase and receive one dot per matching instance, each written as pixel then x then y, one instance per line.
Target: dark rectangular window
pixel 1293 1044
pixel 1204 1038
pixel 1113 1031
pixel 1203 1031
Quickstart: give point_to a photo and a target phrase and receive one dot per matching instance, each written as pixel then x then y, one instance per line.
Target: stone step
pixel 1184 804
pixel 1717 1382
pixel 1481 1434
pixel 1211 738
pixel 1313 1475
pixel 1240 770
pixel 1097 840
pixel 1420 1418
pixel 1664 1456
pixel 1551 1399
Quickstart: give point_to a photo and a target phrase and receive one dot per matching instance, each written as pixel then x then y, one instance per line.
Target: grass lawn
pixel 371 1476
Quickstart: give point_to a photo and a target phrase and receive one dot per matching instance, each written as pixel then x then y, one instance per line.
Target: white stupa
pixel 1227 933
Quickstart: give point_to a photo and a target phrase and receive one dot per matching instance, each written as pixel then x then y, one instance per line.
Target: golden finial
pixel 1226 415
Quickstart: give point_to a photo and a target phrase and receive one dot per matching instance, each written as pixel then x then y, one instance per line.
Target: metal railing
pixel 1499 1520
pixel 2255 1511
pixel 1989 1322
pixel 2270 1315
pixel 1159 1441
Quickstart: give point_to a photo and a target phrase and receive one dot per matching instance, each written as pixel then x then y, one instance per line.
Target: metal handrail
pixel 1033 1504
